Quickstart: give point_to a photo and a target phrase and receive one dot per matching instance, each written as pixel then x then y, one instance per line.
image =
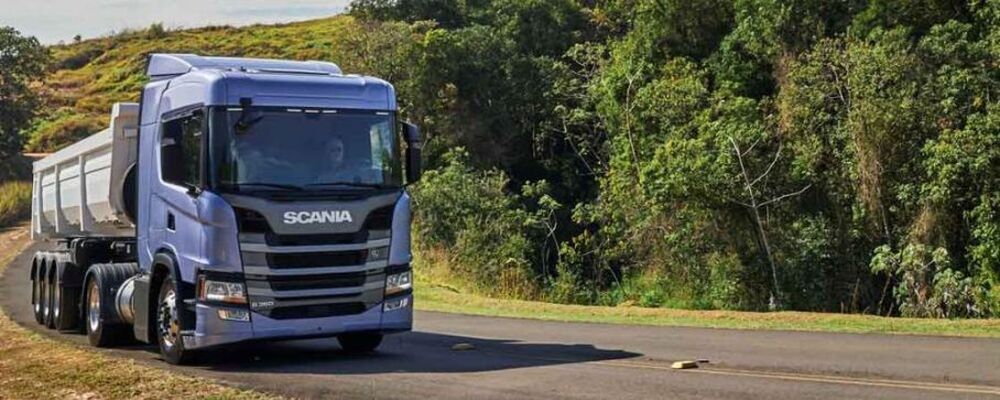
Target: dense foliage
pixel 752 154
pixel 22 62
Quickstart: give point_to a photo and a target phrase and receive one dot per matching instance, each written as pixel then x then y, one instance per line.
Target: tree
pixel 22 61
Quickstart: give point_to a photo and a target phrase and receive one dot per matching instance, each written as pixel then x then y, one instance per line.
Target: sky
pixel 52 21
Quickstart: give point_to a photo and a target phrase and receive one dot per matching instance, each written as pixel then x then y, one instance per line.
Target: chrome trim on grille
pixel 265 270
pixel 263 248
pixel 354 290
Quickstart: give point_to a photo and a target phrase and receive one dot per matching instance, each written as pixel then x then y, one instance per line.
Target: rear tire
pixel 65 307
pixel 38 291
pixel 101 322
pixel 168 325
pixel 360 343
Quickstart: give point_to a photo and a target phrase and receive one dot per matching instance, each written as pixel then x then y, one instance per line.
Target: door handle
pixel 171 225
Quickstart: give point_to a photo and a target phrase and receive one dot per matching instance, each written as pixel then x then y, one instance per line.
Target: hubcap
pixel 93 307
pixel 169 325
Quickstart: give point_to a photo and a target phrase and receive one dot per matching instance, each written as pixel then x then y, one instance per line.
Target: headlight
pixel 397 283
pixel 226 292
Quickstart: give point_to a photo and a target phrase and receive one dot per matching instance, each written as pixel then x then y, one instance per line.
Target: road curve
pixel 516 358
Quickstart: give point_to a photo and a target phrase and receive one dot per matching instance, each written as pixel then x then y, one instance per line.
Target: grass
pixel 445 298
pixel 436 290
pixel 35 367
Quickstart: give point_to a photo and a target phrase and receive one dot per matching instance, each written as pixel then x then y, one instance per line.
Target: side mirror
pixel 193 190
pixel 411 134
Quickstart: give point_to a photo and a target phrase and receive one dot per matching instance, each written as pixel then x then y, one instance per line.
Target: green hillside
pixel 91 75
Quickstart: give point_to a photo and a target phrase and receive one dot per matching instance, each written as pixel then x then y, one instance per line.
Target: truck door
pixel 174 222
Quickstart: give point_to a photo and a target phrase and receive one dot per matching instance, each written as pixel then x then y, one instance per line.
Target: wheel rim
pixel 56 301
pixel 46 306
pixel 93 307
pixel 169 325
pixel 37 295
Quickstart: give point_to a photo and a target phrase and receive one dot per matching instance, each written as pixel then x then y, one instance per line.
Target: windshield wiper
pixel 351 184
pixel 271 185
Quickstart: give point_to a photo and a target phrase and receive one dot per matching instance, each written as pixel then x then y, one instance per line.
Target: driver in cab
pixel 338 170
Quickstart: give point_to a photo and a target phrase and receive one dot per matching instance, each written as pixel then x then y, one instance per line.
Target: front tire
pixel 168 325
pixel 360 343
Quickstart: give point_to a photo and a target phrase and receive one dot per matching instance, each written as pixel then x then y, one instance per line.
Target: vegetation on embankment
pixel 15 202
pixel 817 155
pixel 35 367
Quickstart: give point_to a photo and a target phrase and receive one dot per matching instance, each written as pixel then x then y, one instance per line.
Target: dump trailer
pixel 239 200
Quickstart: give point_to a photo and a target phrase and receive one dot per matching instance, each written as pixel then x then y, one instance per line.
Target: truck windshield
pixel 296 149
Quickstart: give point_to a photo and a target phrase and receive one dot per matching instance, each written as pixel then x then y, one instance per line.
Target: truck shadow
pixel 414 352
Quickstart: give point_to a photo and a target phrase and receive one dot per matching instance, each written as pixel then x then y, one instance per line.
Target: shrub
pixel 474 215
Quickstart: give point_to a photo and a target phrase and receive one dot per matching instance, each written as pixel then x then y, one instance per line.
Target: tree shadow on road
pixel 414 352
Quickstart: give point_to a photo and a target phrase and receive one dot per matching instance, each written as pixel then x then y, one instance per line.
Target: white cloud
pixel 52 21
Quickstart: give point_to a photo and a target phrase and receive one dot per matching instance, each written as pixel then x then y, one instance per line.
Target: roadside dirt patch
pixel 35 367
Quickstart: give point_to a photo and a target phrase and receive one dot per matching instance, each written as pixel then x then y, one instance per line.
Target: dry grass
pixel 35 367
pixel 15 201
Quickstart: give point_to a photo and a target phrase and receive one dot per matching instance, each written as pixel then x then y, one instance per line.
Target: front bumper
pixel 211 330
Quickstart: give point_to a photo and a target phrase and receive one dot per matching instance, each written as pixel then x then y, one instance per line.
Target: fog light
pixel 396 304
pixel 234 315
pixel 378 254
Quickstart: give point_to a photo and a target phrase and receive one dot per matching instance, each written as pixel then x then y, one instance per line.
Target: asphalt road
pixel 516 358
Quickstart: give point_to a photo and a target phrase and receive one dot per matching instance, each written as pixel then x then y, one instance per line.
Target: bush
pixel 15 202
pixel 926 284
pixel 485 227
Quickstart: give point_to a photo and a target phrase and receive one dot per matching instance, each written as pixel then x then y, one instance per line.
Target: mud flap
pixel 140 298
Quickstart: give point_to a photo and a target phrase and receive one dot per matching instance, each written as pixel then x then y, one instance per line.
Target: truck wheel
pixel 168 325
pixel 38 293
pixel 359 343
pixel 65 306
pixel 100 317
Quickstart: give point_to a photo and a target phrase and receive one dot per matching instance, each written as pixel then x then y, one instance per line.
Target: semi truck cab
pixel 267 200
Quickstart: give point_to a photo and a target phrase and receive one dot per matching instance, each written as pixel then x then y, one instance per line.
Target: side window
pixel 180 150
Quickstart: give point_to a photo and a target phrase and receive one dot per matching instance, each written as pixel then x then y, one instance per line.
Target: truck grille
pixel 314 275
pixel 313 260
pixel 306 282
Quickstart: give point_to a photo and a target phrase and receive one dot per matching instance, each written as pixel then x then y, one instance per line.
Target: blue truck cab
pixel 269 203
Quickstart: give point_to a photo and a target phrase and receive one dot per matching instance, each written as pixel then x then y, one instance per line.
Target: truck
pixel 239 200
